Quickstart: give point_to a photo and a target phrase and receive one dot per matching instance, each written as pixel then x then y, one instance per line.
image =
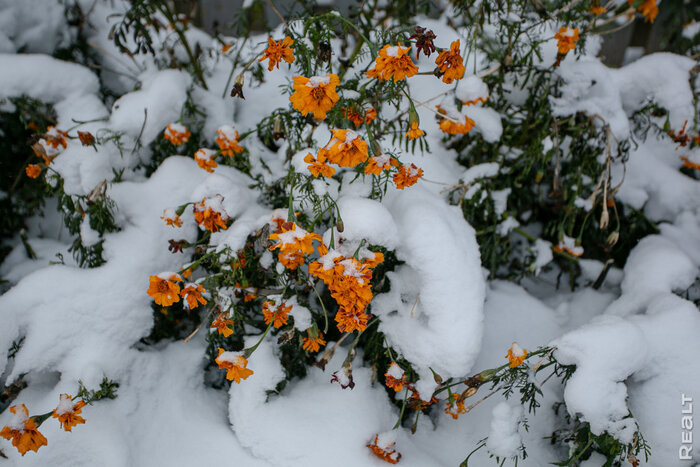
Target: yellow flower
pixel 205 159
pixel 277 51
pixel 210 214
pixel 318 166
pixel 67 413
pixel 315 95
pixel 33 170
pixel 566 39
pixel 516 355
pixel 393 62
pixel 234 364
pixel 407 176
pixel 192 293
pixel 177 134
pixel 228 141
pixel 345 149
pixel 171 218
pixel 278 315
pixel 22 430
pixel 414 132
pixel 164 289
pixel 648 9
pixel 221 324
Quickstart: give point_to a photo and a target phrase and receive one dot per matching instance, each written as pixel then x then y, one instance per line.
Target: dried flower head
pixel 424 41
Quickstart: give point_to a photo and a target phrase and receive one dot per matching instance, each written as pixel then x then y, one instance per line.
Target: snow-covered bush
pixel 446 209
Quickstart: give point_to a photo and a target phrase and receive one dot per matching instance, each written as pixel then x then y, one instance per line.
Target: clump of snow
pixel 434 307
pixel 596 390
pixel 504 439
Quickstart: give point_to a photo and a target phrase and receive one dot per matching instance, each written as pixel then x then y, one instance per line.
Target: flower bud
pixel 376 148
pixel 613 238
pixel 237 90
pixel 604 218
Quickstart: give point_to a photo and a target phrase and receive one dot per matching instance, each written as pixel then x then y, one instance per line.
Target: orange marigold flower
pixel 33 170
pixel 164 289
pixel 407 176
pixel 318 166
pixel 187 274
pixel 221 324
pixel 451 125
pixel 453 128
pixel 228 141
pixel 566 39
pixel 393 62
pixel 382 447
pixel 377 164
pixel 690 164
pixel 277 51
pixel 648 9
pixel 192 294
pixel 313 343
pixel 345 149
pixel 22 430
pixel 68 413
pixel 414 132
pixel 315 95
pixel 55 138
pixel 516 355
pixel 278 315
pixel 235 365
pixel 450 63
pixel 210 214
pixel 293 244
pixel 226 47
pixel 568 244
pixel 357 118
pixel 455 408
pixel 171 218
pixel 349 282
pixel 177 134
pixel 598 10
pixel 395 377
pixel 205 159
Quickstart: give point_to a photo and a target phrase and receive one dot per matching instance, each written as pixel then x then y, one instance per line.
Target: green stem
pixel 198 71
pixel 372 50
pixel 323 307
pixel 403 408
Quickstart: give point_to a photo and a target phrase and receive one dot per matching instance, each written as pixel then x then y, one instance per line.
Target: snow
pixel 145 113
pixel 504 439
pixel 434 307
